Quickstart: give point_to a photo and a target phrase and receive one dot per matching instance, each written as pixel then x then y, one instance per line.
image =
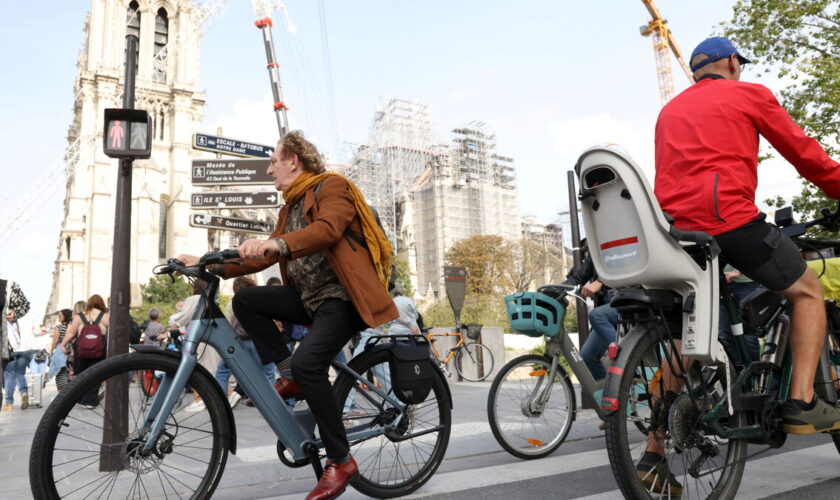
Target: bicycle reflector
pixel 534 314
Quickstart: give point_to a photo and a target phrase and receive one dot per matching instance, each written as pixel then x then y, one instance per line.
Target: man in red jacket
pixel 706 176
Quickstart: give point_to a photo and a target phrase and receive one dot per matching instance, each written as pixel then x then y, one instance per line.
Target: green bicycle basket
pixel 534 314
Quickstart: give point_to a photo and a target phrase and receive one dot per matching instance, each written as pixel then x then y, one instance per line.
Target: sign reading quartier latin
pixel 234 199
pixel 230 172
pixel 234 147
pixel 230 224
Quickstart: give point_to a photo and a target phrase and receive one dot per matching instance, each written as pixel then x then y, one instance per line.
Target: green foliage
pixel 163 294
pixel 484 309
pixel 487 260
pixel 403 277
pixel 162 290
pixel 799 42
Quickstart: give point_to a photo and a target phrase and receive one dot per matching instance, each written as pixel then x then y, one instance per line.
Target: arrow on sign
pixel 234 199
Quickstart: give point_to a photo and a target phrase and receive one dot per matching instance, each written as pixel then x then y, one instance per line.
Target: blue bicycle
pixel 139 443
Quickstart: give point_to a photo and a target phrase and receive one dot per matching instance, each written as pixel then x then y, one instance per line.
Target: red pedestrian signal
pixel 128 133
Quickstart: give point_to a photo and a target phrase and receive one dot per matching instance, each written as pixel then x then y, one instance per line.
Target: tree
pixel 403 276
pixel 487 260
pixel 535 265
pixel 163 294
pixel 799 42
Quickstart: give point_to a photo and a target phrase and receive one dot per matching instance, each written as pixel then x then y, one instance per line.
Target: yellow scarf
pixel 377 243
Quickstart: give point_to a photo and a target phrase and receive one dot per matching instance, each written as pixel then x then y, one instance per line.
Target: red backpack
pixel 91 343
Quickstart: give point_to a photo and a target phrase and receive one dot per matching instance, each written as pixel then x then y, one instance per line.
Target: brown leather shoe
pixel 288 388
pixel 334 480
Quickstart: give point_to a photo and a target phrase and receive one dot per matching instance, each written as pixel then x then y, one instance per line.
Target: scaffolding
pixel 398 150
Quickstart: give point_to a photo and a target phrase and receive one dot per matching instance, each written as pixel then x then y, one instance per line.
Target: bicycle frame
pixel 293 429
pixel 451 354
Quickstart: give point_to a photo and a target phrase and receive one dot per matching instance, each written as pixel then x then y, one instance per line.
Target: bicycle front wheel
pixel 530 415
pixel 389 464
pixel 474 362
pixel 697 463
pixel 78 452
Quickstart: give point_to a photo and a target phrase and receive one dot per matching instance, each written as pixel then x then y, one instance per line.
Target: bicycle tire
pixel 376 456
pixel 639 371
pixel 474 352
pixel 67 430
pixel 834 369
pixel 515 429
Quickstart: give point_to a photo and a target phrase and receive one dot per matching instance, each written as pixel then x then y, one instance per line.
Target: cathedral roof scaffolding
pixel 398 150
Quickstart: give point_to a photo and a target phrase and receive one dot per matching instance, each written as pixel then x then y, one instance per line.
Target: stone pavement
pixel 255 471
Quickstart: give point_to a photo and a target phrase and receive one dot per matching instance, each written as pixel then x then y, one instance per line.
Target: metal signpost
pixel 127 135
pixel 214 200
pixel 230 224
pixel 230 172
pixel 223 145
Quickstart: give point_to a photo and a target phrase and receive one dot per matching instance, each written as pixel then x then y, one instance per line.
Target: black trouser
pixel 332 326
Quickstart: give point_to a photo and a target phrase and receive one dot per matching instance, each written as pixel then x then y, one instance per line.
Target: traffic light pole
pixel 115 427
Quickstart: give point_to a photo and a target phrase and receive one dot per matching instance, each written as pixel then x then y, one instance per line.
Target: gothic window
pixel 161 39
pixel 132 25
pixel 160 129
pixel 162 229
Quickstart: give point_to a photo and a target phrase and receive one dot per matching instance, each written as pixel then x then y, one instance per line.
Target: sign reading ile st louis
pixel 230 224
pixel 234 199
pixel 234 147
pixel 230 172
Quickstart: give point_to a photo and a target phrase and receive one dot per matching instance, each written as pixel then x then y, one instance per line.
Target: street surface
pixel 475 465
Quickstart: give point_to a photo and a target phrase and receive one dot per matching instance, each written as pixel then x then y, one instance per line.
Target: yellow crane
pixel 663 41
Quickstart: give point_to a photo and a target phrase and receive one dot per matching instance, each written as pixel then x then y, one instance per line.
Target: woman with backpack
pixel 58 360
pixel 91 326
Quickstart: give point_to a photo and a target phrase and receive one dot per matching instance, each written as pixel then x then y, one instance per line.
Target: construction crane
pixel 263 10
pixel 663 41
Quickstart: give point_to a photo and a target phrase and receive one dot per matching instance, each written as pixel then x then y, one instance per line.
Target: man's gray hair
pixel 154 313
pixel 397 290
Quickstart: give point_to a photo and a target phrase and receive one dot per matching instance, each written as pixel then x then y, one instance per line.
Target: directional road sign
pixel 234 199
pixel 230 224
pixel 230 172
pixel 234 147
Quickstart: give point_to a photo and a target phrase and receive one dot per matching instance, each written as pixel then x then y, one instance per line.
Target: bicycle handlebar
pixel 829 220
pixel 217 257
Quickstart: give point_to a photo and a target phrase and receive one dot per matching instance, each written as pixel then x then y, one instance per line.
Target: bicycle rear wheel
pixel 522 426
pixel 71 458
pixel 834 370
pixel 478 359
pixel 389 465
pixel 698 464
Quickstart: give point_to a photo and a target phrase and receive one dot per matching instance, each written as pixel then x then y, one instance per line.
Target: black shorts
pixel 761 252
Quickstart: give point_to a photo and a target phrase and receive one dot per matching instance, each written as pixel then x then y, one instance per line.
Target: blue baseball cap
pixel 716 48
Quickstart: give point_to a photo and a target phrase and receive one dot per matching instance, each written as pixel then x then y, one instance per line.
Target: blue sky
pixel 550 78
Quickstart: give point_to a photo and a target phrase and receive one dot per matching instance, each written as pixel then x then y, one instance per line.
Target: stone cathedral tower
pixel 161 184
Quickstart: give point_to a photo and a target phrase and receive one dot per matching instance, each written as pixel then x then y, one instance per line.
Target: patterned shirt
pixel 312 275
pixel 153 330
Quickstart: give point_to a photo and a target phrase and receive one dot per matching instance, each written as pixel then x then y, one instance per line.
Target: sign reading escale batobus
pixel 235 147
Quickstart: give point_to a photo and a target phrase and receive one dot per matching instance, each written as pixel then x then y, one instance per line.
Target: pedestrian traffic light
pixel 128 133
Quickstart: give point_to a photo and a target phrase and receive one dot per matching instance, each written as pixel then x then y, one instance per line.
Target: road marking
pixel 269 453
pixel 790 471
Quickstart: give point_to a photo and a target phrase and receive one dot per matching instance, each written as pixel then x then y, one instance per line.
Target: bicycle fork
pixel 541 392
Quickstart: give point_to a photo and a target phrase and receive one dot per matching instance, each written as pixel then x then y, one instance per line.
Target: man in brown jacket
pixel 334 261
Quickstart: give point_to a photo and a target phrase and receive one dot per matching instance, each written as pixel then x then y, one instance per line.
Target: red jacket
pixel 707 151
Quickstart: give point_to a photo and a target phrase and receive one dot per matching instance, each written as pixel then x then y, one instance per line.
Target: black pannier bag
pixel 411 371
pixel 760 308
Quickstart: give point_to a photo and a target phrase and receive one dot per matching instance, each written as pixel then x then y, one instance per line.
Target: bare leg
pixel 807 333
pixel 668 382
